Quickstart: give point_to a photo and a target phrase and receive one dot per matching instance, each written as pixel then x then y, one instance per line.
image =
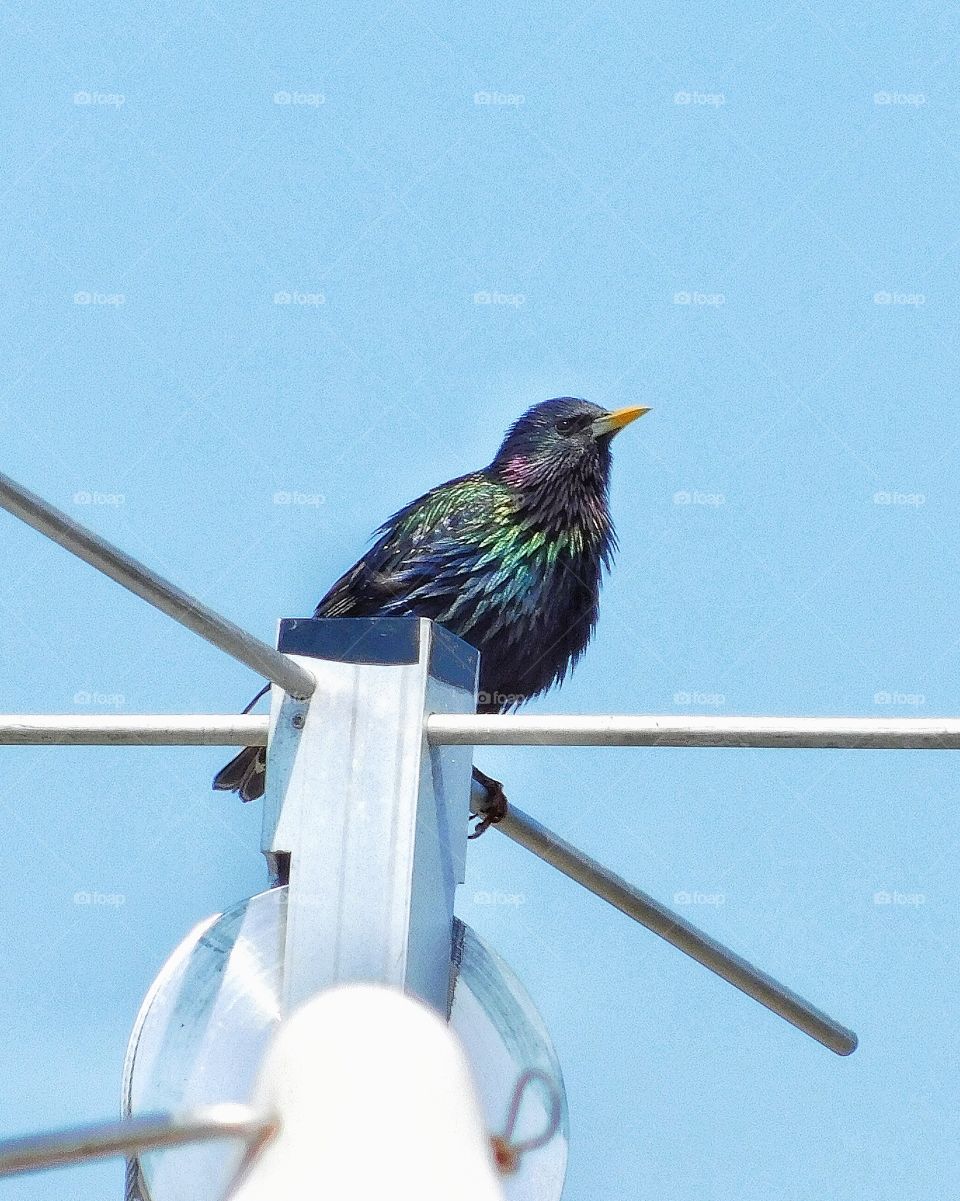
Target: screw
pixel 298 721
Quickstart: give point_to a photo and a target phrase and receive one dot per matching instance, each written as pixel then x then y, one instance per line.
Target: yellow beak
pixel 613 422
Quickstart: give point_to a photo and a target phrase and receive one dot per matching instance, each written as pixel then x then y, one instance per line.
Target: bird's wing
pixel 429 556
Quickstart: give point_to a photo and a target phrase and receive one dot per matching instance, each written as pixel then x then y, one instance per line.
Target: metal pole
pixel 152 729
pixel 132 1136
pixel 154 589
pixel 849 733
pixel 670 926
pixel 371 819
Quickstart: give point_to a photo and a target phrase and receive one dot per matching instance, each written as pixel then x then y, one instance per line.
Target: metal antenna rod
pixel 154 589
pixel 133 729
pixel 150 1132
pixel 561 729
pixel 644 909
pixel 466 729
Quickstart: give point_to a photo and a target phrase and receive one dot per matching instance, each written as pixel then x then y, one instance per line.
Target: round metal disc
pixel 206 1022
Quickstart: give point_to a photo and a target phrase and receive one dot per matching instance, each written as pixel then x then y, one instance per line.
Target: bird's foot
pixel 490 809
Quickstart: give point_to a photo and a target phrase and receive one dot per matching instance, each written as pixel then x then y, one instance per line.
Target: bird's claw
pixel 493 809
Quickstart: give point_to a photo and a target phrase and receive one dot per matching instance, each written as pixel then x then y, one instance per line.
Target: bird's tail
pixel 244 774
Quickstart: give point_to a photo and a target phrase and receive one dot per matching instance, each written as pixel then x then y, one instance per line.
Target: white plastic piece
pixel 375 1102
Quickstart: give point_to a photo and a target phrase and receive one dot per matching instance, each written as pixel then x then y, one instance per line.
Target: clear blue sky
pixel 788 513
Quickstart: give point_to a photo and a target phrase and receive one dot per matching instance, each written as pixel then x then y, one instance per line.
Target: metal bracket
pixel 372 817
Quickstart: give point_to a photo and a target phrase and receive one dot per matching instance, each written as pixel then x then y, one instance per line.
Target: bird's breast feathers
pixel 496 572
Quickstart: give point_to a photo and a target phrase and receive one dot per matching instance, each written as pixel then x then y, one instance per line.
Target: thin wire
pixel 263 691
pixel 508 1152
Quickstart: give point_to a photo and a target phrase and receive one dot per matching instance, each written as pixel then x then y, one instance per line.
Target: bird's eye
pixel 570 425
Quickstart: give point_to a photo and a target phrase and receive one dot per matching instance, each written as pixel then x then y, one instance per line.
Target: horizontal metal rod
pixel 848 733
pixel 228 729
pixel 155 729
pixel 139 579
pixel 132 1136
pixel 644 909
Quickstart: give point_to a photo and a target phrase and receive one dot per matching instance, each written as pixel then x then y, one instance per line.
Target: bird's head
pixel 561 438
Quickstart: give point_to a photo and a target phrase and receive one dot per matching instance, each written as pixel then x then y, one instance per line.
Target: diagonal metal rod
pixel 850 733
pixel 132 1136
pixel 167 597
pixel 644 909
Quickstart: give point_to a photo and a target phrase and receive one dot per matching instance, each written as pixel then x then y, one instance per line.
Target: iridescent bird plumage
pixel 510 558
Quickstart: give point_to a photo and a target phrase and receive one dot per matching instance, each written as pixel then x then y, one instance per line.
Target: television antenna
pixel 369 743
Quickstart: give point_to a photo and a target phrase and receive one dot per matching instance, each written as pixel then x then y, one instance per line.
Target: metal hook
pixel 507 1152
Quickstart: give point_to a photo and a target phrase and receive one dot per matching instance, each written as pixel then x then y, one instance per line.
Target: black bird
pixel 509 558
